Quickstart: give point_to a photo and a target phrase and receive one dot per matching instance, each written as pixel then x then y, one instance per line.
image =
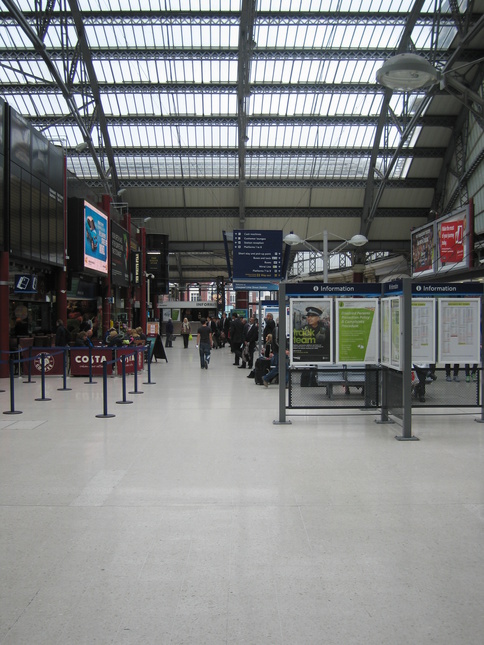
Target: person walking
pixel 185 332
pixel 204 343
pixel 169 333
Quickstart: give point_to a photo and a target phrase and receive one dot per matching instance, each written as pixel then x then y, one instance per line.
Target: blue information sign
pixel 257 255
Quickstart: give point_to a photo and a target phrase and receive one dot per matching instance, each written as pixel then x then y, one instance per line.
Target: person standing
pixel 251 339
pixel 224 329
pixel 236 337
pixel 185 332
pixel 60 334
pixel 169 333
pixel 269 327
pixel 204 343
pixel 448 370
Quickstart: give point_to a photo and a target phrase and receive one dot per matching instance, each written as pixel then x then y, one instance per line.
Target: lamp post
pixel 292 239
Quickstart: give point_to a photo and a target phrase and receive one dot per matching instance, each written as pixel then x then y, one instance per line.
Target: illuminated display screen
pixel 95 239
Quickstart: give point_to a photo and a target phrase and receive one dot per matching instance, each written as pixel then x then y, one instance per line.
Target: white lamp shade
pixel 407 72
pixel 292 238
pixel 358 240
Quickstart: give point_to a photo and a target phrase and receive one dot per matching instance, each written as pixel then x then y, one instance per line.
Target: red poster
pixel 452 242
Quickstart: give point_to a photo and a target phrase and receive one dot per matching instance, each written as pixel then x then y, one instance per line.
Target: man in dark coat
pixel 269 327
pixel 236 337
pixel 60 334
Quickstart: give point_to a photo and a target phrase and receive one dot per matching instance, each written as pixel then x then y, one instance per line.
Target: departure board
pixel 257 255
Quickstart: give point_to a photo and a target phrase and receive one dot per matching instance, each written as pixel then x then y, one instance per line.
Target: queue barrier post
pixel 42 378
pixel 136 391
pixel 12 387
pixel 64 372
pixel 123 372
pixel 105 414
pixel 91 382
pixel 149 381
pixel 29 369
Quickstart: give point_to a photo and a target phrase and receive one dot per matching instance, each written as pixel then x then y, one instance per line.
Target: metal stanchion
pixel 149 381
pixel 90 382
pixel 136 391
pixel 123 370
pixel 42 379
pixel 29 380
pixel 105 414
pixel 12 388
pixel 64 372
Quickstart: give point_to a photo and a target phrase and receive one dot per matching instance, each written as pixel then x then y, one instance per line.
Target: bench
pixel 328 377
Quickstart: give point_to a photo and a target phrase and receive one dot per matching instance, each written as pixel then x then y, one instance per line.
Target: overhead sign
pixel 255 286
pixel 257 255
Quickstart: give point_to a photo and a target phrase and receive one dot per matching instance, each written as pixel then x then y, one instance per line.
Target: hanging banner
pixel 310 332
pixel 357 330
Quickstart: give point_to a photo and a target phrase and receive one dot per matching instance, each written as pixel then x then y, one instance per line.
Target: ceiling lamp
pixel 407 72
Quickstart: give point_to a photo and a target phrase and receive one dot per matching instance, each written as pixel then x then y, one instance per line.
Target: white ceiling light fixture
pixel 407 72
pixel 410 72
pixel 293 239
pixel 81 147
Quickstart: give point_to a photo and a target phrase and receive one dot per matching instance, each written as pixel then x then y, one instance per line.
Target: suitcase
pixel 262 366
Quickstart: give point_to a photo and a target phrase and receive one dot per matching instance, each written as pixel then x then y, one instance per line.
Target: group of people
pixel 244 336
pixel 114 337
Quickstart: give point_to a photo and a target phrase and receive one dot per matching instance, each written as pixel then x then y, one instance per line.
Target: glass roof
pixel 169 75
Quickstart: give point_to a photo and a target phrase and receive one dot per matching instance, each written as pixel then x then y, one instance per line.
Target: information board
pixel 423 330
pixel 459 330
pixel 357 330
pixel 257 255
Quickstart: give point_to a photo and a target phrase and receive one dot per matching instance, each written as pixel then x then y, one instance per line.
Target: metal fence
pixel 361 387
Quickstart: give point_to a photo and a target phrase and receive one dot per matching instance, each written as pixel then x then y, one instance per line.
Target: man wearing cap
pixel 320 330
pixel 312 341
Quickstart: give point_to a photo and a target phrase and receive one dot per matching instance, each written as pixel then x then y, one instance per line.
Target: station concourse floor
pixel 191 518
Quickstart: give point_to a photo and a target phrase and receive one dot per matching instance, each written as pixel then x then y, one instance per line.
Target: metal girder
pixel 94 86
pixel 148 87
pixel 41 51
pixel 439 121
pixel 246 46
pixel 284 213
pixel 231 54
pixel 180 18
pixel 371 201
pixel 272 182
pixel 277 153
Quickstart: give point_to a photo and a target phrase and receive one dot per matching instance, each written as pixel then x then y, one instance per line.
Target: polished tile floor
pixel 190 517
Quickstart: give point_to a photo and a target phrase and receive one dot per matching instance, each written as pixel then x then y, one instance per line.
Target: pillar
pixel 4 313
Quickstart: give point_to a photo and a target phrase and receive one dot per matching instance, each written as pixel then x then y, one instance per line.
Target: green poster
pixel 356 331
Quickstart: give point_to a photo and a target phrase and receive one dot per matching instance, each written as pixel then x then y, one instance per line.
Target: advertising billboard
pixel 454 240
pixel 423 248
pixel 95 239
pixel 310 333
pixel 444 245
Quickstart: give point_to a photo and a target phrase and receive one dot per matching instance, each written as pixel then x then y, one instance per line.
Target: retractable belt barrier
pixel 45 359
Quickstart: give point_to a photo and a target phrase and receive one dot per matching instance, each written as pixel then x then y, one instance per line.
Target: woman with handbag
pixel 185 332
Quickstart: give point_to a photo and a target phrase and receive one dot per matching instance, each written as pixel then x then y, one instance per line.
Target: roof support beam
pixel 41 51
pixel 246 45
